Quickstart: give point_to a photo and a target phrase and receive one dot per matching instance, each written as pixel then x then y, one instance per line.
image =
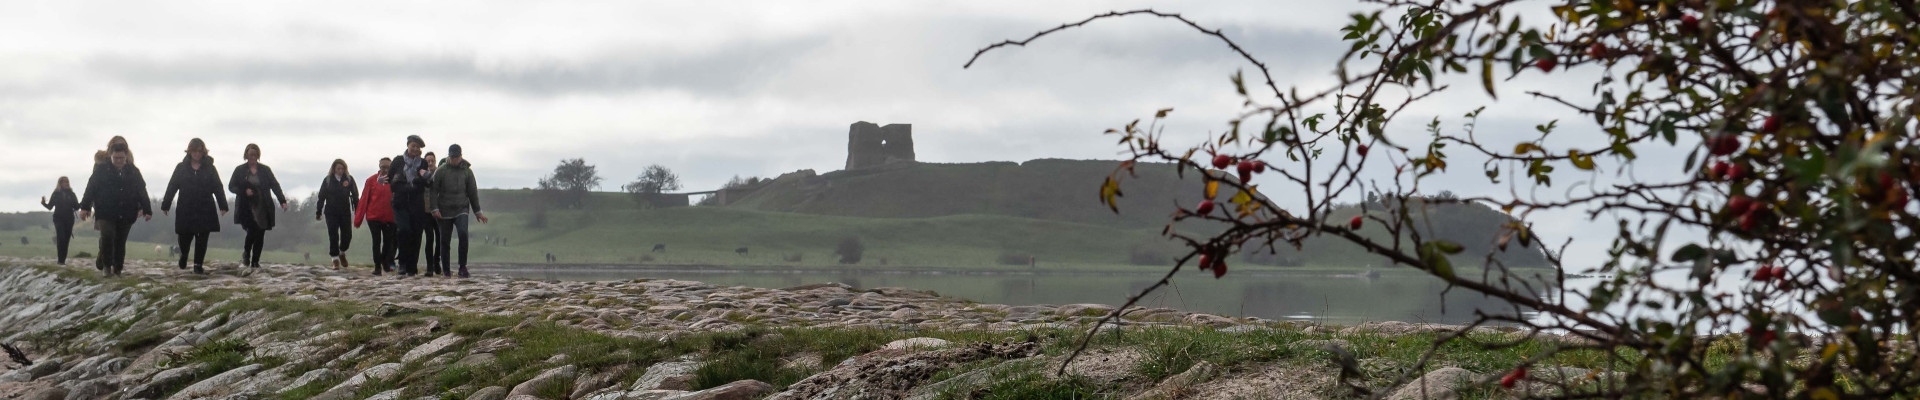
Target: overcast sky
pixel 712 90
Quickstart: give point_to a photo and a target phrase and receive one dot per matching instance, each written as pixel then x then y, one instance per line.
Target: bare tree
pixel 653 181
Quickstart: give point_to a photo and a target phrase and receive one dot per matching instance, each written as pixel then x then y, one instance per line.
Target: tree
pixel 850 250
pixel 653 181
pixel 1796 119
pixel 570 182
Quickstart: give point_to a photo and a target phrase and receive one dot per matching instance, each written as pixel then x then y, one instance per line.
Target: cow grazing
pixel 740 251
pixel 659 248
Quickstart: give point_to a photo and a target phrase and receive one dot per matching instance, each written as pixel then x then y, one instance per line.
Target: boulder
pixel 164 380
pixel 46 393
pixel 217 383
pixel 1085 310
pixel 434 347
pixel 489 393
pixel 1437 385
pixel 593 383
pixel 740 390
pixel 668 375
pixel 913 343
pixel 550 377
pixel 91 389
pixel 310 377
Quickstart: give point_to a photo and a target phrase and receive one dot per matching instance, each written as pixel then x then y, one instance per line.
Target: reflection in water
pixel 1342 300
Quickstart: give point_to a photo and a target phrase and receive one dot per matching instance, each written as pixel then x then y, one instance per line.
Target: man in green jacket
pixel 451 195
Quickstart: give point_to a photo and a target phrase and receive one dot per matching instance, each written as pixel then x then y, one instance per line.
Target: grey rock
pixel 915 343
pixel 434 347
pixel 741 390
pixel 1440 384
pixel 161 381
pixel 551 376
pixel 479 360
pixel 210 386
pixel 90 389
pixel 654 394
pixel 387 395
pixel 489 393
pixel 668 375
pixel 46 393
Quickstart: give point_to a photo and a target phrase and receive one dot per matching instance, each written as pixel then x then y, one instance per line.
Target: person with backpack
pixel 63 205
pixel 450 197
pixel 255 190
pixel 119 193
pixel 376 209
pixel 198 185
pixel 339 196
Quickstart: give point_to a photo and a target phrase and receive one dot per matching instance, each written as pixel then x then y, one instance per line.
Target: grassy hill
pixel 985 216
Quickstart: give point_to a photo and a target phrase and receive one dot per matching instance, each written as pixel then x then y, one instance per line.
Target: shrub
pixel 850 250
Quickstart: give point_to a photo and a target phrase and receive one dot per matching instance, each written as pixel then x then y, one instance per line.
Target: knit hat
pixel 453 151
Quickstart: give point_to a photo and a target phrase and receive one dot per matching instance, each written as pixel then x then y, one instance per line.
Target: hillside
pixel 1047 189
pixel 985 216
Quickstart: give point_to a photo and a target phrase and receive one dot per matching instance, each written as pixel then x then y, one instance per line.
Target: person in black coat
pixel 251 184
pixel 197 183
pixel 63 205
pixel 119 194
pixel 338 197
pixel 407 179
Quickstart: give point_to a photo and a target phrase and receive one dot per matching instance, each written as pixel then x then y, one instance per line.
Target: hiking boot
pixel 463 272
pixel 199 270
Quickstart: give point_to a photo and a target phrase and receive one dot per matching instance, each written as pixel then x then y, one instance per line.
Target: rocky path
pixel 657 307
pixel 162 333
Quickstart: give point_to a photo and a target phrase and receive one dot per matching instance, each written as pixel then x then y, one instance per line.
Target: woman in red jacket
pixel 376 209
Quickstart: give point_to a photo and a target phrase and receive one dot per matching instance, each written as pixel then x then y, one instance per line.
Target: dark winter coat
pixel 408 186
pixel 116 194
pixel 256 211
pixel 337 197
pixel 63 203
pixel 199 192
pixel 453 191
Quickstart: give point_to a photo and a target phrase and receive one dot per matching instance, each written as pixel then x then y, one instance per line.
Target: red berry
pixel 1245 166
pixel 1719 170
pixel 1260 167
pixel 1206 207
pixel 1749 221
pixel 1768 337
pixel 1219 269
pixel 1689 24
pixel 1206 261
pixel 1886 180
pixel 1222 161
pixel 1897 198
pixel 1546 64
pixel 1763 274
pixel 1724 144
pixel 1362 149
pixel 1355 222
pixel 1245 176
pixel 1771 124
pixel 1598 50
pixel 1514 377
pixel 1738 172
pixel 1739 205
pixel 1780 274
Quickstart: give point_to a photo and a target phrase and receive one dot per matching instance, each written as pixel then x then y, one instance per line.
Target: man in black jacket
pixel 119 194
pixel 407 177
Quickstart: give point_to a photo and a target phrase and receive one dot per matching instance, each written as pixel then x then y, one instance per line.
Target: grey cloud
pixel 730 69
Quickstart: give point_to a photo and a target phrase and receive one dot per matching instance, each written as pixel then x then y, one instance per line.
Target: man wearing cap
pixel 451 196
pixel 407 179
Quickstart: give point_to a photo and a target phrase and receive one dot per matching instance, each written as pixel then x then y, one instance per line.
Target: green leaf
pixel 1689 252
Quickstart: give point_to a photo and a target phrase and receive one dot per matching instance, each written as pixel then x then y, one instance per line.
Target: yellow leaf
pixel 1213 189
pixel 1523 148
pixel 1109 191
pixel 1241 198
pixel 1579 161
pixel 1163 113
pixel 1824 394
pixel 1828 352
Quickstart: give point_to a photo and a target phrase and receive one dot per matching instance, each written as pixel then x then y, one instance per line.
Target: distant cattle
pixel 659 248
pixel 740 251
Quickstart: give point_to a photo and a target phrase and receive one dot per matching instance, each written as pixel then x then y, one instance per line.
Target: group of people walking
pixel 411 197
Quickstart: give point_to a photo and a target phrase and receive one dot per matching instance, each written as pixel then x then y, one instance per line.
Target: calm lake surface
pixel 1324 298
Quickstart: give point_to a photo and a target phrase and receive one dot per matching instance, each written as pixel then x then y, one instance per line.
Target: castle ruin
pixel 871 145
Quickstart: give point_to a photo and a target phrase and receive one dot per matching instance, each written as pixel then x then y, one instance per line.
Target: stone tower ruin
pixel 870 145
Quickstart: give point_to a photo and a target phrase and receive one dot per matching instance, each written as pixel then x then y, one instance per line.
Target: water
pixel 1324 298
